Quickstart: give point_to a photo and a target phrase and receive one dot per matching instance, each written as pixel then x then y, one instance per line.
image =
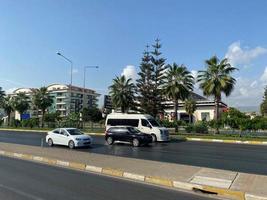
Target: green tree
pixel 179 84
pixel 2 95
pixel 145 85
pixel 217 79
pixel 263 106
pixel 92 114
pixel 190 108
pixel 7 105
pixel 42 101
pixel 21 103
pixel 159 78
pixel 122 93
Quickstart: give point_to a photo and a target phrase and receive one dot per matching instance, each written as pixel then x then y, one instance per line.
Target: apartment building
pixel 66 99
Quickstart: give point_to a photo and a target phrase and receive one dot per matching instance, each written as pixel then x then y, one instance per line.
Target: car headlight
pixel 78 139
pixel 161 132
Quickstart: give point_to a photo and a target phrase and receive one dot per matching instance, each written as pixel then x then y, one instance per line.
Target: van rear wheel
pixel 154 138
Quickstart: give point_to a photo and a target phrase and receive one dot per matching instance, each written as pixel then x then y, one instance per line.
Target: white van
pixel 145 123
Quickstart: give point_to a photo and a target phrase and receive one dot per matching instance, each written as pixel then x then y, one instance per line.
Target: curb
pixel 227 141
pixel 227 193
pixel 40 131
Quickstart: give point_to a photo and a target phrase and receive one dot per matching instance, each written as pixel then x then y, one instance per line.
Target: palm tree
pixel 2 95
pixel 42 100
pixel 7 105
pixel 217 79
pixel 179 84
pixel 190 108
pixel 122 93
pixel 21 103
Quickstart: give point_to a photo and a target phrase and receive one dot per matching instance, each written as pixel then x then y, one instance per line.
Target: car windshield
pixel 74 131
pixel 153 122
pixel 133 130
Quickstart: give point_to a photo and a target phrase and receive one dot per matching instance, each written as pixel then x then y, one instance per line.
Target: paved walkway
pixel 182 175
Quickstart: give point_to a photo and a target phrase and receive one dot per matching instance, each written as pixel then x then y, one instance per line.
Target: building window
pixel 205 116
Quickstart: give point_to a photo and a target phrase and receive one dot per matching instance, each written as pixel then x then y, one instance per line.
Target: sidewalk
pixel 227 184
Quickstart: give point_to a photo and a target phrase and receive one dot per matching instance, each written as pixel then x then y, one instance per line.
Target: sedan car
pixel 127 134
pixel 71 137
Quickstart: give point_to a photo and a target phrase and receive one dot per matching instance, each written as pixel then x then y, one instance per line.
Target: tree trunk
pixel 176 115
pixel 8 120
pixel 217 114
pixel 43 113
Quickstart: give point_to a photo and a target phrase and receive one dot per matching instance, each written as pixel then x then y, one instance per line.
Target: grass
pixel 221 136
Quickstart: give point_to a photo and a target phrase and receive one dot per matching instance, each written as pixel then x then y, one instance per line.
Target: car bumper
pixel 83 143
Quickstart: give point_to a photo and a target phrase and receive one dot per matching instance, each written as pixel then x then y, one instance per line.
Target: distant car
pixel 71 137
pixel 127 134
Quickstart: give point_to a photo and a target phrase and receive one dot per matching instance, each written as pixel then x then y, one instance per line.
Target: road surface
pixel 235 157
pixel 24 180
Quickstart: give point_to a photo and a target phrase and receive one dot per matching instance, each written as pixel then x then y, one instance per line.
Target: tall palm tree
pixel 2 95
pixel 122 93
pixel 42 101
pixel 7 105
pixel 190 108
pixel 217 79
pixel 21 103
pixel 179 84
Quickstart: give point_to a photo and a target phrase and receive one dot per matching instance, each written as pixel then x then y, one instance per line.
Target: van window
pixel 144 122
pixel 123 122
pixel 153 122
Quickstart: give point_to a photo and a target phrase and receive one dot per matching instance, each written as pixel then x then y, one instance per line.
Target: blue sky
pixel 113 35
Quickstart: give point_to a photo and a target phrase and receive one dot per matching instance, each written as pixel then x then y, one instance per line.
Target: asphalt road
pixel 236 157
pixel 23 180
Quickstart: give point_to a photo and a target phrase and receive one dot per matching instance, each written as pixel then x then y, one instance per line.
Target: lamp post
pixel 84 76
pixel 71 65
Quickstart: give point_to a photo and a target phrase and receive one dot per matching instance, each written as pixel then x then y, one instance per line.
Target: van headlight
pixel 161 132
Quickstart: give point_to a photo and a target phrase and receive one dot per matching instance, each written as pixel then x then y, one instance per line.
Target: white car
pixel 71 137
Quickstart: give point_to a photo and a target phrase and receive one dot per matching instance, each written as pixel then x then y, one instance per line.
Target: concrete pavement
pixel 22 180
pixel 221 182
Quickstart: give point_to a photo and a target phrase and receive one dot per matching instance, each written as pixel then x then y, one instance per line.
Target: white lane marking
pixel 134 176
pixel 62 163
pixel 30 196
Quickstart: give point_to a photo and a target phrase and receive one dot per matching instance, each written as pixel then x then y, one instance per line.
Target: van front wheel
pixel 154 137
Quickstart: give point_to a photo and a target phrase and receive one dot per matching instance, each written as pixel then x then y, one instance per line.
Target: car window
pixel 133 130
pixel 74 132
pixel 56 131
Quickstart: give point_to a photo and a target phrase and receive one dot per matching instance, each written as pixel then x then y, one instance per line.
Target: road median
pixel 231 185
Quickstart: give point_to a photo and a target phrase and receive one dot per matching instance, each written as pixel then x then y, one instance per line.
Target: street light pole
pixel 84 75
pixel 71 65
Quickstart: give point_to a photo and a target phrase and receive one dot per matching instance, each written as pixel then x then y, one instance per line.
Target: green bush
pixel 189 128
pixel 32 122
pixel 172 124
pixel 201 127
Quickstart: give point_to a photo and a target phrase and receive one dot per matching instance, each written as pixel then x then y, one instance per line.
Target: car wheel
pixel 154 138
pixel 136 142
pixel 71 144
pixel 50 142
pixel 110 140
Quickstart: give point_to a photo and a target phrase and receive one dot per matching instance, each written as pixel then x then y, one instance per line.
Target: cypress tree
pixel 263 106
pixel 145 84
pixel 159 78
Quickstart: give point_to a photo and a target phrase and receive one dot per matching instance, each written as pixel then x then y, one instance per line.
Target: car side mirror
pixel 149 126
pixel 66 135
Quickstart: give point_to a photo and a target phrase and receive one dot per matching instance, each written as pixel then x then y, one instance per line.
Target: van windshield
pixel 153 122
